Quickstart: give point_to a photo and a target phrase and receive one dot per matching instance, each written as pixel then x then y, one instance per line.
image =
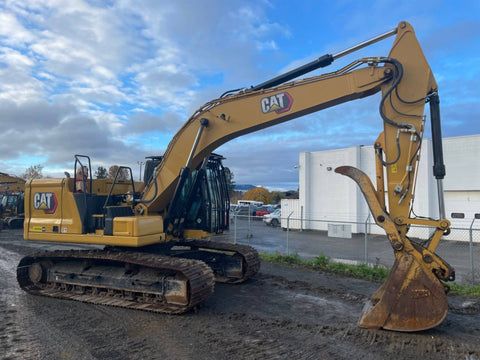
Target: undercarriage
pixel 172 278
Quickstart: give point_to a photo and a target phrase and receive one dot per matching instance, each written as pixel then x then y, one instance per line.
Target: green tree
pixel 123 174
pixel 258 194
pixel 291 194
pixel 235 196
pixel 101 173
pixel 33 172
pixel 230 183
pixel 277 196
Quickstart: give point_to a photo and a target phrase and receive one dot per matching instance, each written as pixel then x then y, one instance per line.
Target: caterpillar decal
pixel 279 103
pixel 46 202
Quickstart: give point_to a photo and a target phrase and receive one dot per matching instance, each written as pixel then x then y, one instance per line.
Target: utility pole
pixel 140 163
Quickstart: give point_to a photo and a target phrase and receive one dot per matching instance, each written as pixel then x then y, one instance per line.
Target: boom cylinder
pixel 438 164
pixel 322 61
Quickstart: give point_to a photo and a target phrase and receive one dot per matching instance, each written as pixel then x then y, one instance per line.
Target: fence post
pixel 366 240
pixel 471 252
pixel 288 229
pixel 249 233
pixel 477 216
pixel 301 218
pixel 235 227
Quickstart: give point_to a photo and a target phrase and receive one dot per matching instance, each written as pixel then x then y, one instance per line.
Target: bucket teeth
pixel 410 299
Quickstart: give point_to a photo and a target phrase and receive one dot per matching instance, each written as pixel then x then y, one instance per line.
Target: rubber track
pixel 200 276
pixel 251 259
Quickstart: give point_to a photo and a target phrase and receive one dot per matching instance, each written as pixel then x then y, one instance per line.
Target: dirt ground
pixel 281 313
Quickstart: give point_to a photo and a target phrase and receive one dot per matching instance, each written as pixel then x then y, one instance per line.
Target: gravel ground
pixel 280 313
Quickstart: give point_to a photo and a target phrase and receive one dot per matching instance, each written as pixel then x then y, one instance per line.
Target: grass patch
pixel 282 259
pixel 362 271
pixel 465 290
pixel 322 262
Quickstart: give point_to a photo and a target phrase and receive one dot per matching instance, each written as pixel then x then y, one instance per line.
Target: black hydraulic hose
pixel 379 155
pixel 397 78
pixel 230 91
pixel 407 101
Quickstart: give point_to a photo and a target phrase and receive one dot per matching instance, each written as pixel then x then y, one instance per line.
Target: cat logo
pixel 46 202
pixel 278 103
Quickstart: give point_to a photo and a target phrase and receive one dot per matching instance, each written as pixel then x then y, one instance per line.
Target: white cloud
pixel 77 75
pixel 112 79
pixel 17 84
pixel 14 33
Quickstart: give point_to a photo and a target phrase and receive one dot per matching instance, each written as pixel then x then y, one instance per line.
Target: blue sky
pixel 116 79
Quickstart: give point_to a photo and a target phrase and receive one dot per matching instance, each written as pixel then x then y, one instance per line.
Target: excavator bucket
pixel 409 300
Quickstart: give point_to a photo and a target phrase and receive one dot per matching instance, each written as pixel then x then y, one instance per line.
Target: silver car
pixel 273 218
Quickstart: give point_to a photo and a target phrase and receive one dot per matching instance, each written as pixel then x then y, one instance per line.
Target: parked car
pixel 273 218
pixel 264 210
pixel 242 210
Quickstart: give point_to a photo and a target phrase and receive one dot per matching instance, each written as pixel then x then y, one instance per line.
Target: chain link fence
pixel 354 242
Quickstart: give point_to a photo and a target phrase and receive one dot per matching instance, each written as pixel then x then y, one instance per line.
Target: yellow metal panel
pixel 196 234
pixel 50 208
pixel 52 215
pixel 137 225
pixel 98 239
pixel 71 222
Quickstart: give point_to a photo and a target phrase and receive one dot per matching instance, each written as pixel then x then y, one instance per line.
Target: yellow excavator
pixel 160 250
pixel 11 201
pixel 10 183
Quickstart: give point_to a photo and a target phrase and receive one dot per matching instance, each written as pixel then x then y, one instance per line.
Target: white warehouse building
pixel 327 198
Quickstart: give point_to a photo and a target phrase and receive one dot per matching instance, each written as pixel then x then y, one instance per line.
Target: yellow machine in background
pixel 155 258
pixel 9 183
pixel 11 201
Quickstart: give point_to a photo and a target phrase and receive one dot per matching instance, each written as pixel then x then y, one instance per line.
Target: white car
pixel 273 218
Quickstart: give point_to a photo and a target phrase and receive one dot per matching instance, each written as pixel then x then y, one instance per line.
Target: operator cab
pixel 203 202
